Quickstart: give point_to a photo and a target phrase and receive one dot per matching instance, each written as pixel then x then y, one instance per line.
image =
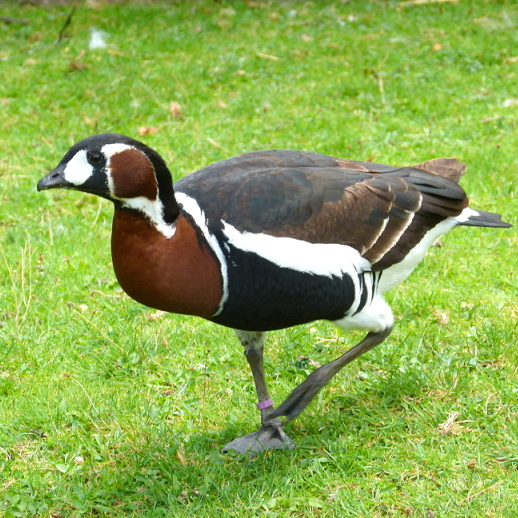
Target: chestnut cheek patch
pixel 133 175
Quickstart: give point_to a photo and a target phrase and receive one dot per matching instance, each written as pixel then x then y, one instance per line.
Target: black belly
pixel 263 296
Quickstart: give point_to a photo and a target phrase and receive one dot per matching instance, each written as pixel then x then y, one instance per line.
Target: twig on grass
pixel 496 117
pixel 65 25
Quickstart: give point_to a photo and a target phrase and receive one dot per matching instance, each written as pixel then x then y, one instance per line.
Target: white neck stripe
pixel 191 207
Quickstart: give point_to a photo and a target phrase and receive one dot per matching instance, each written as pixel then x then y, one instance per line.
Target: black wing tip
pixel 485 219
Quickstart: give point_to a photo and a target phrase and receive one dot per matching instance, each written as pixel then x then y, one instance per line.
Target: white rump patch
pixel 375 317
pixel 190 205
pixel 78 170
pixel 466 214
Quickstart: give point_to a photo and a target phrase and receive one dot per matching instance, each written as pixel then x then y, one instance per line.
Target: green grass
pixel 110 409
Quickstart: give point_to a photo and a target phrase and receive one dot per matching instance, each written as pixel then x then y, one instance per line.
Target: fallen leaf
pixel 443 317
pixel 484 20
pixel 425 2
pixel 214 143
pixel 268 56
pixel 77 65
pixel 147 130
pixel 180 456
pixel 175 109
pixel 509 103
pixel 158 313
pixel 451 427
pixel 114 52
pixel 224 23
pixel 370 37
pixel 489 119
pixel 227 11
pixel 35 36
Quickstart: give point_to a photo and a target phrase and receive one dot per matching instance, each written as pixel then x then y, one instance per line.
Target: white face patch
pixel 78 170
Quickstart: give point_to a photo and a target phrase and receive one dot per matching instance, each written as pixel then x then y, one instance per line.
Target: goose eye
pixel 94 157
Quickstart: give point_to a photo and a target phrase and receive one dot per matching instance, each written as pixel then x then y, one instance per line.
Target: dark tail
pixel 481 218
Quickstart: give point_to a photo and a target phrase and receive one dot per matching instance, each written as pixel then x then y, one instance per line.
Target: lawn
pixel 108 408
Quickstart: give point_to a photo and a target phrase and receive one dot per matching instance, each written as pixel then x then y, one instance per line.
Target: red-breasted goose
pixel 268 240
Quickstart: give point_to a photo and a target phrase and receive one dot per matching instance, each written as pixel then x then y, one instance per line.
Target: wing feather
pixel 379 210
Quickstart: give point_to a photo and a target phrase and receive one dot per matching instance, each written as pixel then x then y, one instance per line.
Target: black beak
pixel 56 178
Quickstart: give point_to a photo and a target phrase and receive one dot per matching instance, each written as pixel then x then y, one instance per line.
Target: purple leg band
pixel 265 404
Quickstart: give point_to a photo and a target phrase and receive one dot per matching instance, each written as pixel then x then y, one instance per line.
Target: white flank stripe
pixel 328 260
pixel 78 170
pixel 190 205
pixel 319 259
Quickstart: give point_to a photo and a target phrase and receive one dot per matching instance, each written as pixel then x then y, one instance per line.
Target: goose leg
pixel 301 396
pixel 270 435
